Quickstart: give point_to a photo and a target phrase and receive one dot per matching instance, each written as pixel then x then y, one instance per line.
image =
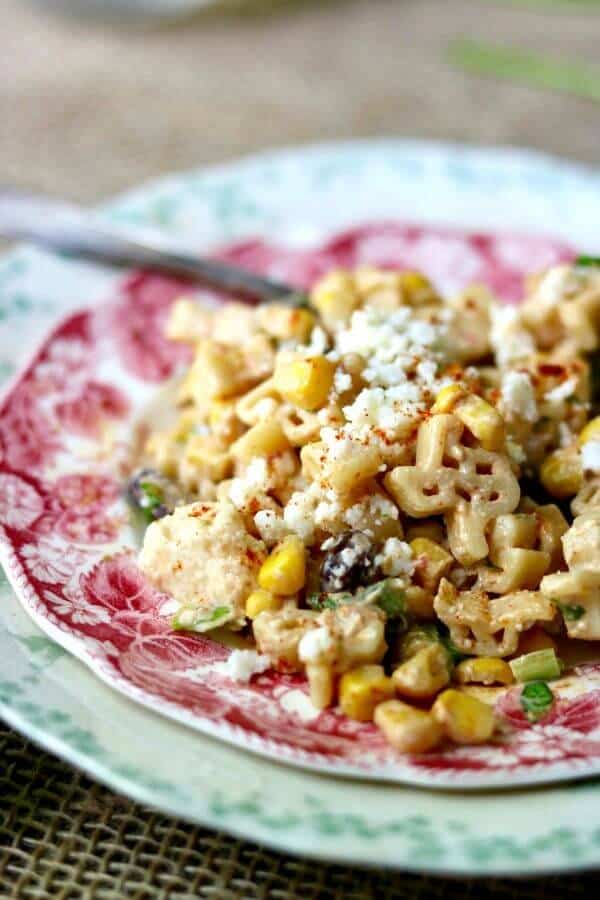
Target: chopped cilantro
pixel 328 601
pixel 385 594
pixel 572 612
pixel 537 700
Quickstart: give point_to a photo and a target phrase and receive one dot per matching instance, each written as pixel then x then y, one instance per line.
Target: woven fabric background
pixel 67 838
pixel 177 98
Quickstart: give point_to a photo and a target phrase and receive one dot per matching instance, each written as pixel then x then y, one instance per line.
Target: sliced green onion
pixel 386 594
pixel 321 600
pixel 591 262
pixel 572 612
pixel 189 618
pixel 539 665
pixel 537 699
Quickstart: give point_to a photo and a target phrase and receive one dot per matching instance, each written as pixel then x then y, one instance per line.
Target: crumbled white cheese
pixel 509 339
pixel 169 607
pixel 375 509
pixel 396 558
pixel 519 395
pixel 403 355
pixel 338 443
pixel 241 665
pixel 328 543
pixel 562 391
pixel 315 644
pixel 388 341
pixel 299 514
pixel 318 343
pixel 342 381
pixel 255 480
pixel 270 526
pixel 590 456
pixel 328 509
pixel 386 409
pixel 299 704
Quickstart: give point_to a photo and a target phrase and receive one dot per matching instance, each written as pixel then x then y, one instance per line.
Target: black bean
pixel 151 494
pixel 349 563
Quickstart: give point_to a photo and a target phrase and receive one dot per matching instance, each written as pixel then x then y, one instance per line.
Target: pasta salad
pixel 394 493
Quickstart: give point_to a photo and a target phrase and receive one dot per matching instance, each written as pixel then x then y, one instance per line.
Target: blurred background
pixel 98 95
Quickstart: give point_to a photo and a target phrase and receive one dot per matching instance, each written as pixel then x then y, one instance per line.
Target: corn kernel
pixel 417 289
pixel 483 421
pixel 335 297
pixel 266 438
pixel 305 382
pixel 465 719
pixel 483 670
pixel 447 399
pixel 424 674
pixel 407 729
pixel 262 601
pixel 591 432
pixel 362 689
pixel 561 474
pixel 432 562
pixel 419 602
pixel 535 639
pixel 417 638
pixel 284 572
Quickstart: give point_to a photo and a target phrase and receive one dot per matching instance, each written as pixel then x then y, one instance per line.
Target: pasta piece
pixel 564 306
pixel 266 438
pixel 219 371
pixel 261 402
pixel 470 486
pixel 286 322
pixel 489 627
pixel 518 565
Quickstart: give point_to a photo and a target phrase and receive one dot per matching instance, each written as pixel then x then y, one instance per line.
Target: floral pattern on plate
pixel 65 430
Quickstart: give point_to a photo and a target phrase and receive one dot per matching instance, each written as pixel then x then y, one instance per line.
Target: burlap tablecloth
pixel 87 110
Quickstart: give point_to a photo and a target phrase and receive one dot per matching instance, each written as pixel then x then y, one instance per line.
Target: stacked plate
pixel 83 669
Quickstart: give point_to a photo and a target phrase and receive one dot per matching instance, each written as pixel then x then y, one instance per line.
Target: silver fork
pixel 73 230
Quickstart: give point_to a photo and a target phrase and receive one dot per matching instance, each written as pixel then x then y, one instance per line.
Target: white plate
pixel 284 195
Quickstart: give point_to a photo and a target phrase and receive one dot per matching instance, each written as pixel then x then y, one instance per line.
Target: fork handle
pixel 72 230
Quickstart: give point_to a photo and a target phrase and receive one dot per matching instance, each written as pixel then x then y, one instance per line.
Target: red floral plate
pixel 66 427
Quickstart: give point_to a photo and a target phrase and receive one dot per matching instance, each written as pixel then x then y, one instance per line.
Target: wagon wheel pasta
pixel 389 491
